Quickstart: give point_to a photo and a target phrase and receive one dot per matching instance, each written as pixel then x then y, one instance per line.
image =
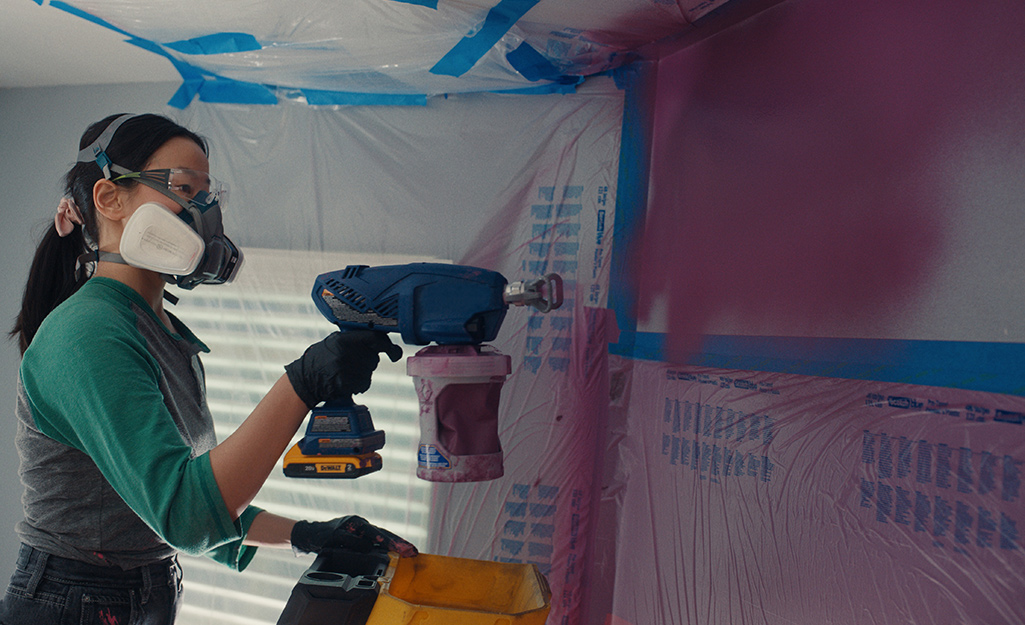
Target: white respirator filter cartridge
pixel 157 239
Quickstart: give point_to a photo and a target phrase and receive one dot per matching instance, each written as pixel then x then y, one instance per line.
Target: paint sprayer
pixel 453 310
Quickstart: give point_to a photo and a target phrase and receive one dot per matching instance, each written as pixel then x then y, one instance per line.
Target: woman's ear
pixel 109 200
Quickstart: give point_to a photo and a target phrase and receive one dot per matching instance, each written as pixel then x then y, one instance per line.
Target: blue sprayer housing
pixel 423 302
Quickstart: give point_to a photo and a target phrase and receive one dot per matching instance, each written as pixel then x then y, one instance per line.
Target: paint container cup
pixel 459 387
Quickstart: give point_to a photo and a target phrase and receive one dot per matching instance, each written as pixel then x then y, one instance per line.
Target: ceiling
pixel 41 46
pixel 308 46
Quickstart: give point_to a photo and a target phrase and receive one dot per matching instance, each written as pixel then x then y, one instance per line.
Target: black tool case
pixel 340 588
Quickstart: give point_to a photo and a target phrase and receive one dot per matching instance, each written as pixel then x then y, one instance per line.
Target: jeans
pixel 48 590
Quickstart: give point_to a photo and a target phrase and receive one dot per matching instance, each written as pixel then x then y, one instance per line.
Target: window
pixel 253 327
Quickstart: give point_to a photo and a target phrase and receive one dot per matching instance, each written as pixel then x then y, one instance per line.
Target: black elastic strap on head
pixel 97 150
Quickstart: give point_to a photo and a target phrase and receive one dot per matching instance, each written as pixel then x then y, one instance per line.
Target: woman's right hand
pixel 339 366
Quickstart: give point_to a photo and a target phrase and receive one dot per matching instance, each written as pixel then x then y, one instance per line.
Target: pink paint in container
pixel 459 387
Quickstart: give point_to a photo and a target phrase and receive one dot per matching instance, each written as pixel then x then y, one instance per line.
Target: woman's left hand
pixel 349 532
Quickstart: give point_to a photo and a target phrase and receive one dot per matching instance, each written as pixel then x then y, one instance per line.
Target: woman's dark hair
pixel 56 273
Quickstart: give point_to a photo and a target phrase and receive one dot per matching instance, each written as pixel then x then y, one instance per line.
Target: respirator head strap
pixel 95 256
pixel 97 150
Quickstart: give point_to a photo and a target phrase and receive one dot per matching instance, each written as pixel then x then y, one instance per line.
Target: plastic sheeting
pixel 386 51
pixel 458 179
pixel 553 407
pixel 775 498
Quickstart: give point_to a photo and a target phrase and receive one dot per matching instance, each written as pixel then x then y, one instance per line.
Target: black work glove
pixel 339 366
pixel 348 532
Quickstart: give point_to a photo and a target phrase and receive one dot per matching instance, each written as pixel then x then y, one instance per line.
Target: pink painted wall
pixel 825 169
pixel 815 172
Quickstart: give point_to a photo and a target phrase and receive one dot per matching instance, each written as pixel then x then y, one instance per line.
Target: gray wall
pixel 39 131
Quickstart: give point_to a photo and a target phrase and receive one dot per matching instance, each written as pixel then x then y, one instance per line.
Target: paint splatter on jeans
pixel 46 590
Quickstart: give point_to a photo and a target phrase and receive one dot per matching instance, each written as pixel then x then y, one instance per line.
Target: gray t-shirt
pixel 113 437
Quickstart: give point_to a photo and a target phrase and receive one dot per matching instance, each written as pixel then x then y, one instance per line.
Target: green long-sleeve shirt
pixel 114 437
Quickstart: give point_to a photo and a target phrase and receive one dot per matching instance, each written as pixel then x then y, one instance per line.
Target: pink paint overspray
pixel 108 618
pixel 796 180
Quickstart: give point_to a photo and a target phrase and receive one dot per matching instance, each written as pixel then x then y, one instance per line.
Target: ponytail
pixel 56 274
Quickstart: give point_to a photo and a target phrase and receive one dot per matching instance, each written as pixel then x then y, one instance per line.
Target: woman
pixel 118 456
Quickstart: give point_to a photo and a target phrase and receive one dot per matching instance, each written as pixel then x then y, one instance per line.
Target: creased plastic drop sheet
pixel 777 498
pixel 553 406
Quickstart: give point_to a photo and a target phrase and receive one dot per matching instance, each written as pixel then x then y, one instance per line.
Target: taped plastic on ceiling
pixel 386 51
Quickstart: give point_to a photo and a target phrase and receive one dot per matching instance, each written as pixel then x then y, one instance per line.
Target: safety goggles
pixel 185 183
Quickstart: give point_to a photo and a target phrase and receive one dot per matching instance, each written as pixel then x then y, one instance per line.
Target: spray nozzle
pixel 544 294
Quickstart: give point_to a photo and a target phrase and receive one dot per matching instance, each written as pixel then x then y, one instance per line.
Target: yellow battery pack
pixel 297 464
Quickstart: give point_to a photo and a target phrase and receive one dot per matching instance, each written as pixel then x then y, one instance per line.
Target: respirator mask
pixel 188 248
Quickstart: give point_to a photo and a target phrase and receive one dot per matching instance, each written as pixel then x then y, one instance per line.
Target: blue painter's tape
pixel 187 70
pixel 226 91
pixel 472 48
pixel 637 81
pixel 430 4
pixel 568 86
pixel 990 367
pixel 531 64
pixel 217 43
pixel 346 98
pixel 208 86
pixel 151 46
pixel 185 94
pixel 192 76
pixel 64 6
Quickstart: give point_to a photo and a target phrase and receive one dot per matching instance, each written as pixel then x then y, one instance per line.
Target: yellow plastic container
pixel 440 590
